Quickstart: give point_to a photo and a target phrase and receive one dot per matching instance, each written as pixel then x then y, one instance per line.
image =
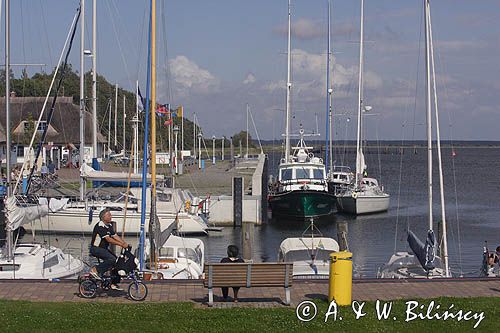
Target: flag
pixel 162 110
pixel 143 101
pixel 168 122
pixel 178 112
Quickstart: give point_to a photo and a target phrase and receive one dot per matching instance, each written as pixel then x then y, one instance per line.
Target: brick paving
pixel 193 291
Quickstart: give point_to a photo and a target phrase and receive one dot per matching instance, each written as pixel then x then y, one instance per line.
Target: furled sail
pixel 426 253
pixel 20 214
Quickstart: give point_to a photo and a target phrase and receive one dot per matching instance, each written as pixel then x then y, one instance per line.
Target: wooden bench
pixel 248 275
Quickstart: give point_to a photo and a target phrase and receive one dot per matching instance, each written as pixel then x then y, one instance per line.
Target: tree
pixel 242 136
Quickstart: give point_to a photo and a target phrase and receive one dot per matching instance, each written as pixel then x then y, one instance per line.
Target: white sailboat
pixel 29 261
pixel 366 195
pixel 424 262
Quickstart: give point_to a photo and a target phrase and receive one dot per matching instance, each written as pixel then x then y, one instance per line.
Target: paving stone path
pixel 193 291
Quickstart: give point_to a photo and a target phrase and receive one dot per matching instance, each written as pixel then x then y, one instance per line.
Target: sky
pixel 215 56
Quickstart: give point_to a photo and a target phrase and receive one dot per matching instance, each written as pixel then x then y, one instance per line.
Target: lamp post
pixel 222 150
pixel 213 149
pixel 199 150
pixel 176 132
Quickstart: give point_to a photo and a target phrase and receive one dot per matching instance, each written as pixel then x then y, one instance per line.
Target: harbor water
pixel 471 182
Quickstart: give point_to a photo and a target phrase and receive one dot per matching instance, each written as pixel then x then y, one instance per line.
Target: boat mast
pixel 359 151
pixel 145 148
pixel 82 97
pixel 135 121
pixel 94 79
pixel 288 89
pixel 428 108
pixel 152 215
pixel 116 118
pixel 124 119
pixel 440 164
pixel 10 239
pixel 328 95
pixel 247 129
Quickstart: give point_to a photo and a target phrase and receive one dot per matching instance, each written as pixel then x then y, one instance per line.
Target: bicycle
pixel 88 285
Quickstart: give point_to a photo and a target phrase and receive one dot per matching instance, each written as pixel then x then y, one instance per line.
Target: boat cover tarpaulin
pixel 308 243
pixel 18 215
pixel 109 176
pixel 425 253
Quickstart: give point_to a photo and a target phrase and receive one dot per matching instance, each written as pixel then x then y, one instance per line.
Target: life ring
pixel 354 195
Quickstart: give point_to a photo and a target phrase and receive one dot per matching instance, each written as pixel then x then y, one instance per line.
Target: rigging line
pixel 69 39
pixel 167 66
pixel 140 43
pixel 45 31
pixel 256 132
pixel 122 56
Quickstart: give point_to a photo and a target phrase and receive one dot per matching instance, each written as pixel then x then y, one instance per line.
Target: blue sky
pixel 225 53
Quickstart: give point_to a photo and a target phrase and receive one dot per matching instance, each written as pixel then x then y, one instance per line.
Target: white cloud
pixel 249 79
pixel 304 28
pixel 188 76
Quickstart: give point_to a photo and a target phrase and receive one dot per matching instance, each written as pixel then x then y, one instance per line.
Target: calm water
pixel 472 180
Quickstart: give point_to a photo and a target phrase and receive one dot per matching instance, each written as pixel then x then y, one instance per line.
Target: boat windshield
pixel 286 174
pixel 302 173
pixel 192 254
pixel 318 174
pixel 301 255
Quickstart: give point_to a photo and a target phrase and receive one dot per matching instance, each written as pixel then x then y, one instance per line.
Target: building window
pixel 20 151
pixel 42 126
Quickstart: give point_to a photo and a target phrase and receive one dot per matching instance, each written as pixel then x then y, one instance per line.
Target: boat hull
pixel 77 221
pixel 363 204
pixel 302 204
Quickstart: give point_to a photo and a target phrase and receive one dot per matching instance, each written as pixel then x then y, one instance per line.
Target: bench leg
pixel 210 297
pixel 287 296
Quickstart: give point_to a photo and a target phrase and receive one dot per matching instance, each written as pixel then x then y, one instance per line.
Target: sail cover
pixel 426 253
pixel 18 215
pixel 109 176
pixel 360 162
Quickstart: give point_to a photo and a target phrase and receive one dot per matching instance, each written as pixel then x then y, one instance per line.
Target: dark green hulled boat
pixel 302 204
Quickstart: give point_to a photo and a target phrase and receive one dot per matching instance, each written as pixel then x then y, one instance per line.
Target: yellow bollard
pixel 340 278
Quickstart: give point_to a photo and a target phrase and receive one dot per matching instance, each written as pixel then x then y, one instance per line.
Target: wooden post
pixel 342 236
pixel 247 236
pixel 237 201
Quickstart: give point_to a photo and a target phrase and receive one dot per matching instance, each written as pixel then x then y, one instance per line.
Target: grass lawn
pixel 17 316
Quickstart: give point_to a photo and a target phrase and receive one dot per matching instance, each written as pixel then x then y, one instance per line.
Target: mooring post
pixel 237 201
pixel 247 232
pixel 342 236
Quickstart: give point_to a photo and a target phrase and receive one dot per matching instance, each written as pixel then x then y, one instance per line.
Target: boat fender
pixel 187 205
pixel 91 215
pixel 354 195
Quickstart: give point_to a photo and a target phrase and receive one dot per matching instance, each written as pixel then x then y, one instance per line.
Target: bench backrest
pixel 248 275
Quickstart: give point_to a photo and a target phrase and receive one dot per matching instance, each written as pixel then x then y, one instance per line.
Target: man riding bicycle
pixel 103 235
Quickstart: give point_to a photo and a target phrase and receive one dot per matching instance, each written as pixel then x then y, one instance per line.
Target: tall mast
pixel 194 135
pixel 10 236
pixel 288 89
pixel 136 127
pixel 94 79
pixel 440 164
pixel 328 95
pixel 359 151
pixel 428 107
pixel 124 119
pixel 109 126
pixel 82 97
pixel 247 129
pixel 116 117
pixel 153 103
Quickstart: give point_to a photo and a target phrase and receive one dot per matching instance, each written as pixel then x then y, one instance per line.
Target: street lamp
pixel 199 149
pixel 222 150
pixel 176 132
pixel 213 149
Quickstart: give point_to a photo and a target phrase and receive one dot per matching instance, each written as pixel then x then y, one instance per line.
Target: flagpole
pixel 182 131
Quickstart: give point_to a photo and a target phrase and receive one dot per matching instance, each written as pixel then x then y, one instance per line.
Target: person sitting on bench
pixel 232 257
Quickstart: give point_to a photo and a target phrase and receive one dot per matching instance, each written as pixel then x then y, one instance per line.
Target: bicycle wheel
pixel 87 289
pixel 137 291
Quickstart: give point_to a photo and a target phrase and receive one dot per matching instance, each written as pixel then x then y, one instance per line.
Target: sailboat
pixel 366 195
pixel 424 262
pixel 301 190
pixel 78 216
pixel 170 256
pixel 30 260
